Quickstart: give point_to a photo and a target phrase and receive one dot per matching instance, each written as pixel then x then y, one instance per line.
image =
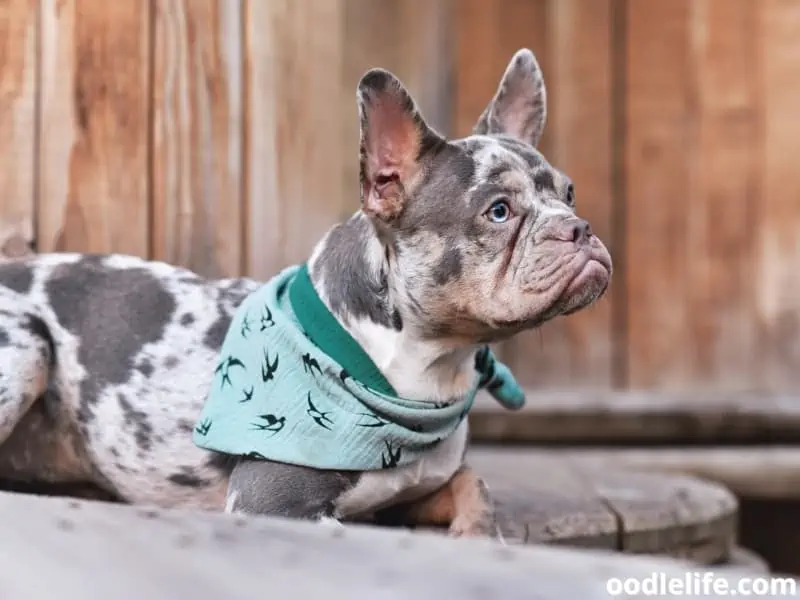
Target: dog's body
pixel 105 361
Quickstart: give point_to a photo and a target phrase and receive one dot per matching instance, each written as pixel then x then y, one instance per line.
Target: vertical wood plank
pixel 692 186
pixel 658 193
pixel 572 41
pixel 488 34
pixel 777 273
pixel 293 133
pixel 198 135
pixel 18 129
pixel 410 38
pixel 93 176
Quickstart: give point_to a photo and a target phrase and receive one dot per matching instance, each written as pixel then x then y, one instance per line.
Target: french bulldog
pixel 105 360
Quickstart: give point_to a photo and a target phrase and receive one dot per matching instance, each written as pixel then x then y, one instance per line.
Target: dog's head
pixel 481 233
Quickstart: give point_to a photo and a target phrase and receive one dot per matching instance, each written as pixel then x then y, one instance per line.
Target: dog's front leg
pixel 26 355
pixel 463 504
pixel 264 487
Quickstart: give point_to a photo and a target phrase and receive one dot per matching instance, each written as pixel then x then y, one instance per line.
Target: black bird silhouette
pixel 245 326
pixel 203 427
pixel 225 366
pixel 248 394
pixel 266 318
pixel 320 418
pixel 390 458
pixel 371 420
pixel 344 375
pixel 255 456
pixel 271 423
pixel 310 363
pixel 268 368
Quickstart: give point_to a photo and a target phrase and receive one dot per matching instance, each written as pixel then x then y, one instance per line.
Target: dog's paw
pixel 483 525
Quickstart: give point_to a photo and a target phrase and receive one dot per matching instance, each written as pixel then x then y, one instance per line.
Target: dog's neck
pixel 351 273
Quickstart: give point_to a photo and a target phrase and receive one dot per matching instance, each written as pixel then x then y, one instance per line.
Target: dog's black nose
pixel 573 230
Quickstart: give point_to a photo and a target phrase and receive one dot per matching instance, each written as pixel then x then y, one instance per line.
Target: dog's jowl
pixel 340 387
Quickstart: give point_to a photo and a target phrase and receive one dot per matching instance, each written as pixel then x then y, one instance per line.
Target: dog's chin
pixel 588 284
pixel 586 287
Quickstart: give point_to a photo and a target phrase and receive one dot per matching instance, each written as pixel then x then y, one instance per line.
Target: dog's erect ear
pixel 519 107
pixel 394 139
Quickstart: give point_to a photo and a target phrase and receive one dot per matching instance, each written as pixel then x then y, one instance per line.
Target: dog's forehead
pixel 508 162
pixel 492 153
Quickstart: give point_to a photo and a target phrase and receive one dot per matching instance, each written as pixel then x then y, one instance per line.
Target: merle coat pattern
pixel 105 360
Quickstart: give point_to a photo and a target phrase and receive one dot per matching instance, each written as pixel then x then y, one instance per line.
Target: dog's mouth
pixel 590 281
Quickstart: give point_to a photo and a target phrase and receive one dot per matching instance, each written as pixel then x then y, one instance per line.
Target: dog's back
pixel 108 359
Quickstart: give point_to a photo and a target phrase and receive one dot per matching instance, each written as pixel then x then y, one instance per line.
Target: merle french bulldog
pixel 105 361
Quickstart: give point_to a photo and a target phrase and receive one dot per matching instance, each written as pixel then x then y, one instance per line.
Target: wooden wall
pixel 221 135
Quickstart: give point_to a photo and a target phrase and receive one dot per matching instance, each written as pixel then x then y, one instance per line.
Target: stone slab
pixel 59 549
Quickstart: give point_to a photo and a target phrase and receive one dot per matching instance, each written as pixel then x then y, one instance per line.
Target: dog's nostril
pixel 581 230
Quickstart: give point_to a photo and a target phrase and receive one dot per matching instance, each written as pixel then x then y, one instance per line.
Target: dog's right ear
pixel 394 139
pixel 519 106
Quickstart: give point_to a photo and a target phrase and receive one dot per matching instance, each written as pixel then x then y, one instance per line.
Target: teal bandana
pixel 278 395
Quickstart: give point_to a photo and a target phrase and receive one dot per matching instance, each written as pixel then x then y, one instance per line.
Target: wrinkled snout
pixel 586 262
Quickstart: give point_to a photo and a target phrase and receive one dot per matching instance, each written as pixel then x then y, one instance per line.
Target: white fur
pixel 378 489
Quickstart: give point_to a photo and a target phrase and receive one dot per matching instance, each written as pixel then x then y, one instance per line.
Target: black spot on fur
pixel 187 319
pixel 171 362
pixel 114 313
pixel 185 426
pixel 449 267
pixel 397 320
pixel 4 339
pixel 215 334
pixel 17 276
pixel 186 478
pixel 223 463
pixel 146 368
pixel 36 326
pixel 544 181
pixel 142 429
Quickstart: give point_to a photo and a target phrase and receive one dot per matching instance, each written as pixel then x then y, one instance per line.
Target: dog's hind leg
pixel 26 355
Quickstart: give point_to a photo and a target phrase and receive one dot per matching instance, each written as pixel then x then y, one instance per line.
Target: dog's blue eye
pixel 499 212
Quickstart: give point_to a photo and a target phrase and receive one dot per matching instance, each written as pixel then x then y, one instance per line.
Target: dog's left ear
pixel 394 140
pixel 519 107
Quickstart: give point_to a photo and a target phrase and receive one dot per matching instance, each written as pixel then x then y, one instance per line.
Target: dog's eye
pixel 499 212
pixel 571 195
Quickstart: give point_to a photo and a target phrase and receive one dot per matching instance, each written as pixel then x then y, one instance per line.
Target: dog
pixel 105 360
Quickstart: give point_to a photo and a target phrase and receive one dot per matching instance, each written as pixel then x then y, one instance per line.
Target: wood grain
pixel 93 175
pixel 487 36
pixel 712 241
pixel 660 198
pixel 198 135
pixel 776 275
pixel 18 127
pixel 293 161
